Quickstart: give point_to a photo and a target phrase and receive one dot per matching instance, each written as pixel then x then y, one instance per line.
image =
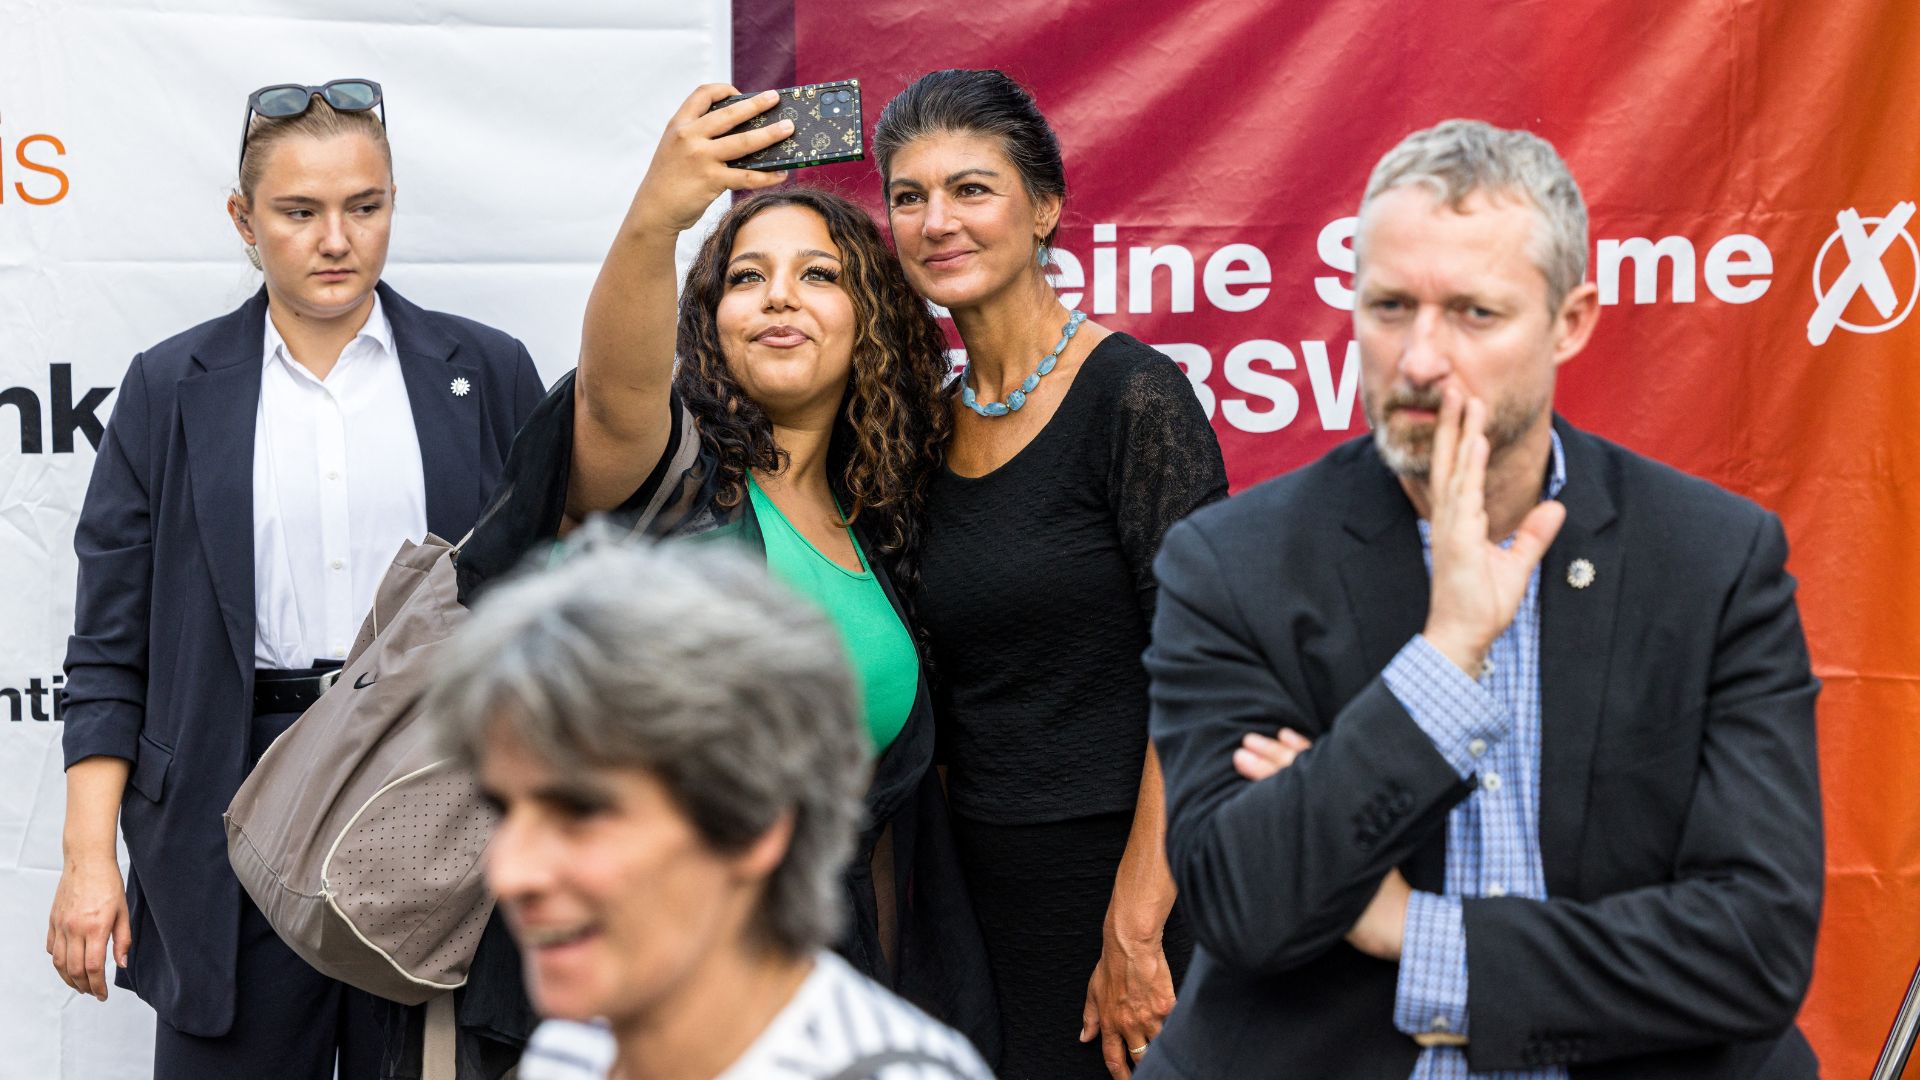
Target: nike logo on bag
pixel 365 680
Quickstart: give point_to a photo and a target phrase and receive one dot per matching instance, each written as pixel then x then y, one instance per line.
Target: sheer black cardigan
pixel 940 959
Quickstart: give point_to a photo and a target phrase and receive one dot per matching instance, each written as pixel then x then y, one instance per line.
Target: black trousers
pixel 290 1022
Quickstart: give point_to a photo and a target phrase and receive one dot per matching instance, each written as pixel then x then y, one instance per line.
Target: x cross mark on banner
pixel 1864 270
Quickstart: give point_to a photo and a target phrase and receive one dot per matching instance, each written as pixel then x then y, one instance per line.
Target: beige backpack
pixel 356 837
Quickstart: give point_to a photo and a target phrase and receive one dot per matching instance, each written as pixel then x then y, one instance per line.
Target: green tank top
pixel 879 646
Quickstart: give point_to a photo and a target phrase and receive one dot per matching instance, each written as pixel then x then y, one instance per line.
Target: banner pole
pixel 1906 1025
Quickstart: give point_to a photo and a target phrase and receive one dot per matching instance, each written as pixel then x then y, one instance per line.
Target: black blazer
pixel 1680 805
pixel 160 665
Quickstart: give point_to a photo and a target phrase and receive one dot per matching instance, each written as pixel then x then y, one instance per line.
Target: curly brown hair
pixel 893 425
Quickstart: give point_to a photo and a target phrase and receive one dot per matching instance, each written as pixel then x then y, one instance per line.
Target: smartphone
pixel 826 127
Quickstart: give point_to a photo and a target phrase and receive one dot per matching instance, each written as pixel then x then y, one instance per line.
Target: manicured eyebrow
pixel 952 178
pixel 759 256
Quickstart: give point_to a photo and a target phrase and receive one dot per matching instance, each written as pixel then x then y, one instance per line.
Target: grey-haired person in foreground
pixel 675 745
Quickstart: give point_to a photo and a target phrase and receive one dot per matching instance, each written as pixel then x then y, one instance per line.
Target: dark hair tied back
pixel 975 102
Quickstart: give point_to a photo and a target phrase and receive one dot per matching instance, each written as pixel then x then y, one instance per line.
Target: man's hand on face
pixel 1382 926
pixel 1477 585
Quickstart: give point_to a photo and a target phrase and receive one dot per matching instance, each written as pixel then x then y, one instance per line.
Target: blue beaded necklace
pixel 1019 397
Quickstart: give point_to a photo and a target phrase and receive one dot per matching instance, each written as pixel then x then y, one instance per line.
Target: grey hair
pixel 689 662
pixel 1457 158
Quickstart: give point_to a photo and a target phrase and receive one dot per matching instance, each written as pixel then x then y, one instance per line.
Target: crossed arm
pixel 1721 952
pixel 1288 867
pixel 1280 869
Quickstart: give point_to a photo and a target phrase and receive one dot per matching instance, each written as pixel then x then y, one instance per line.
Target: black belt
pixel 277 690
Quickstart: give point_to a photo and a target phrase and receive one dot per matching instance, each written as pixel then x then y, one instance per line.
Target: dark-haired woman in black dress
pixel 1074 449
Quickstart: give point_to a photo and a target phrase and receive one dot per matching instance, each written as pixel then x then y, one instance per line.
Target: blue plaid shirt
pixel 1489 727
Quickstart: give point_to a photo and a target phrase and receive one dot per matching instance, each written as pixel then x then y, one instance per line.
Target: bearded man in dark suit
pixel 1489 745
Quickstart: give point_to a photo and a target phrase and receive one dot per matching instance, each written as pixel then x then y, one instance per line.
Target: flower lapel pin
pixel 460 387
pixel 1580 573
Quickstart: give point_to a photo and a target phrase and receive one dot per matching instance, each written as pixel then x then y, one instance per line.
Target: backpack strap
pixel 664 489
pixel 682 453
pixel 437 1052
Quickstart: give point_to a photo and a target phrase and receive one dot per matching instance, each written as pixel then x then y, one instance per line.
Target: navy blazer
pixel 160 665
pixel 1679 818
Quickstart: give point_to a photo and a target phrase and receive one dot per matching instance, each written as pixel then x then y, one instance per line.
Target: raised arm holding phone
pixel 625 377
pixel 800 376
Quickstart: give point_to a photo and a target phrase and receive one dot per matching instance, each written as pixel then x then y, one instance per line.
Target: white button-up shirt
pixel 337 485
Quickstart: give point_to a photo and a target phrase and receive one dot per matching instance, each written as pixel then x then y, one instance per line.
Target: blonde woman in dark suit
pixel 256 477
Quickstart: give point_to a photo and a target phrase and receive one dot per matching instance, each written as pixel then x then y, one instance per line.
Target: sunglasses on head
pixel 291 99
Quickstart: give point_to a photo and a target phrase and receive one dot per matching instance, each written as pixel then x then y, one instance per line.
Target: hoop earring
pixel 253 256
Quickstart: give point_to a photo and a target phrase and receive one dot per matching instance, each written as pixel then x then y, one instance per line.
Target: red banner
pixel 1750 168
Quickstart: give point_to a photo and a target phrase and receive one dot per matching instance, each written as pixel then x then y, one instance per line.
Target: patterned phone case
pixel 826 126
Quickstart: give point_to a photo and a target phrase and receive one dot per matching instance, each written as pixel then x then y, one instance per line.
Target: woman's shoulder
pixel 1122 349
pixel 845 1019
pixel 839 1023
pixel 1132 380
pixel 1123 365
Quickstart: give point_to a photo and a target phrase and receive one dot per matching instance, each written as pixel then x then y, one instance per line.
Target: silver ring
pixel 1138 1050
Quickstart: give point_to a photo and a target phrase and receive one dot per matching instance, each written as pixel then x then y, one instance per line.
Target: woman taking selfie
pixel 1073 450
pixel 804 417
pixel 256 477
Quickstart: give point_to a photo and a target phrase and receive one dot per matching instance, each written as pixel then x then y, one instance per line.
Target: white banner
pixel 519 132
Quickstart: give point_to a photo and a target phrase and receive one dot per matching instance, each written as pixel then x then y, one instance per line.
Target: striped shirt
pixel 840 1025
pixel 1489 728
